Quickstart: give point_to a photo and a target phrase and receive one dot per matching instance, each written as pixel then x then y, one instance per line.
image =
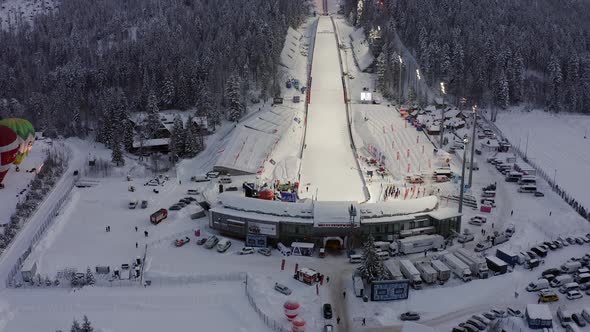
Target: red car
pixel 181 242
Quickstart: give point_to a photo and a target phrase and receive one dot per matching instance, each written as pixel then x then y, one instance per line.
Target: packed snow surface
pixel 328 166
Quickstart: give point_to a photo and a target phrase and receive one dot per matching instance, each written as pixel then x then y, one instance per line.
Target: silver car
pixel 282 289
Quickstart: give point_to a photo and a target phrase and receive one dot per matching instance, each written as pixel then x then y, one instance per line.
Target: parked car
pixel 489 315
pixel 410 315
pixel 573 295
pixel 282 289
pixel 475 222
pixel 469 327
pixel 211 242
pixel 481 219
pixel 246 251
pixel 499 313
pixel 181 242
pixel 559 244
pixel 327 310
pixel 133 204
pixel 552 271
pixel 579 320
pixel 201 241
pixel 265 251
pixel 328 328
pixel 223 245
pixel 539 194
pixel 481 319
pixel 483 245
pixel 579 240
pixel 480 326
pixel 548 296
pixel 175 207
pixel 514 312
pixel 144 204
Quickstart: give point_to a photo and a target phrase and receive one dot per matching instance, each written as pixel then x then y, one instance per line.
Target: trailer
pixel 395 272
pixel 476 264
pixel 456 265
pixel 427 272
pixel 496 265
pixel 28 270
pixel 359 287
pixel 410 272
pixel 507 256
pixel 158 216
pixel 444 273
pixel 420 243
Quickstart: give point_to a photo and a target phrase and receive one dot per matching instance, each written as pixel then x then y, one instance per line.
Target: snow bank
pixel 398 208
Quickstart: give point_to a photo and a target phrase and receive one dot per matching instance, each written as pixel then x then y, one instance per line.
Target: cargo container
pixel 456 265
pixel 476 264
pixel 410 272
pixel 496 265
pixel 427 272
pixel 507 256
pixel 420 243
pixel 444 273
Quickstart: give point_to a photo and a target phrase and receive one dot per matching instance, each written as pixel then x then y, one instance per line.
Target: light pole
pixel 399 93
pixel 462 190
pixel 417 84
pixel 472 145
pixel 442 117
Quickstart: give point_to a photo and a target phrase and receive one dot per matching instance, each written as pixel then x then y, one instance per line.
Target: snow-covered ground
pixel 195 307
pixel 556 143
pixel 328 166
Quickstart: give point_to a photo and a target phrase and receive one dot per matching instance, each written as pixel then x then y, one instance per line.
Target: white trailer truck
pixel 410 272
pixel 456 265
pixel 427 273
pixel 420 243
pixel 444 273
pixel 395 271
pixel 477 265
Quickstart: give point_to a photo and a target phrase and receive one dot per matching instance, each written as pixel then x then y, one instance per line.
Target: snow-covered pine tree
pixel 89 278
pixel 232 95
pixel 502 92
pixel 168 91
pixel 191 139
pixel 153 116
pixel 117 154
pixel 75 327
pixel 372 267
pixel 177 138
pixel 555 79
pixel 86 326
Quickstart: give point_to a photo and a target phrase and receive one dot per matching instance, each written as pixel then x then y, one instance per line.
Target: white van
pixel 225 179
pixel 570 286
pixel 528 188
pixel 527 180
pixel 355 259
pixel 586 313
pixel 560 280
pixel 283 249
pixel 582 278
pixel 383 255
pixel 538 285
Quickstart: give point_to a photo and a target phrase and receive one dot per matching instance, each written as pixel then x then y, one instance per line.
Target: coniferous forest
pixel 497 53
pixel 91 63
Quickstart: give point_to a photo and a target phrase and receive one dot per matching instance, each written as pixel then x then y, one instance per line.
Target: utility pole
pixel 442 118
pixel 462 190
pixel 526 147
pixel 472 145
pixel 399 93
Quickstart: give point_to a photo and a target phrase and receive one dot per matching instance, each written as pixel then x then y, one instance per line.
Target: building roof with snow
pixel 538 311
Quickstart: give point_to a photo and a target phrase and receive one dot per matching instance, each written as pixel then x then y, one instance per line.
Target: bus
pixel 527 180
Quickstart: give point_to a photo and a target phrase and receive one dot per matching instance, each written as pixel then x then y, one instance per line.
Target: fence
pixel 582 211
pixel 271 323
pixel 49 218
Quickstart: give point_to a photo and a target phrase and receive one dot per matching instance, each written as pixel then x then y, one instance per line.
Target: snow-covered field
pixel 195 307
pixel 556 143
pixel 328 166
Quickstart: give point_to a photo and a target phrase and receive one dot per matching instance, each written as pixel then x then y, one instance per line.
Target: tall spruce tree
pixel 177 138
pixel 372 267
pixel 232 95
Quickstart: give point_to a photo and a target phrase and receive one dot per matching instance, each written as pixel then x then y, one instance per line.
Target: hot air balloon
pixel 25 133
pixel 8 150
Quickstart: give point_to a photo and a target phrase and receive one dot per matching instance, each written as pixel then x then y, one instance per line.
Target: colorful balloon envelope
pixel 25 134
pixel 9 147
